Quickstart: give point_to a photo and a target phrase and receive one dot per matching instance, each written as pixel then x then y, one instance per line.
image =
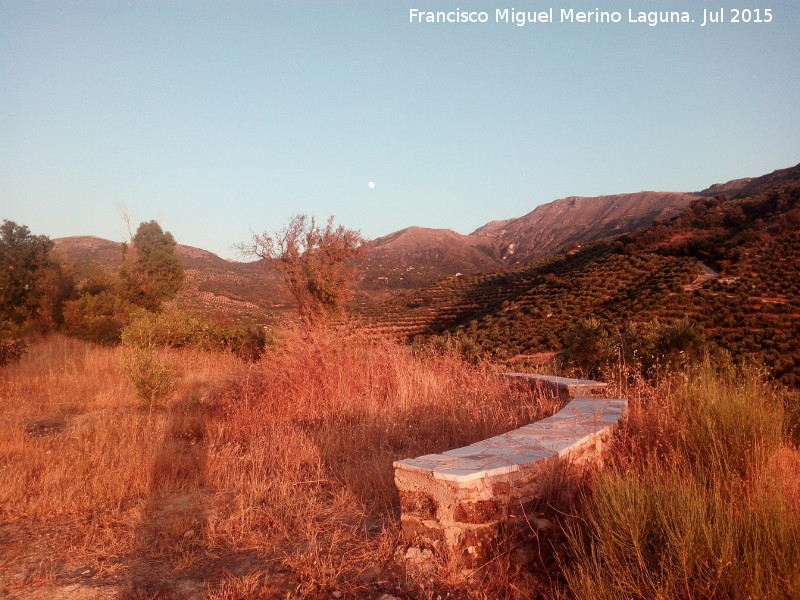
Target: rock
pixel 417 555
pixel 388 597
pixel 189 534
pixel 336 594
pixel 420 563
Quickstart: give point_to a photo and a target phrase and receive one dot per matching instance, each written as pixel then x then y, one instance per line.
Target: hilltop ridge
pixel 550 227
pixel 416 258
pixel 751 309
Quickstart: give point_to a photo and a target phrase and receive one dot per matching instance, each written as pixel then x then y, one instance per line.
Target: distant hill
pixel 551 227
pixel 437 261
pixel 416 257
pixel 84 252
pixel 213 284
pixel 731 188
pixel 767 181
pixel 751 309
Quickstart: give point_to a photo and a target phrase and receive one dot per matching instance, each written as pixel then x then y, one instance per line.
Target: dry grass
pixel 701 500
pixel 274 479
pixel 271 479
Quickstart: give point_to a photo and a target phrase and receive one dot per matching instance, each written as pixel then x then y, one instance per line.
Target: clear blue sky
pixel 221 117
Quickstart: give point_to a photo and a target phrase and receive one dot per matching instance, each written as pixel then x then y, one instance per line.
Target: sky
pixel 221 118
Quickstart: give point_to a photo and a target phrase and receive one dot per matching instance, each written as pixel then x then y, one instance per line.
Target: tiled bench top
pixel 505 453
pixel 573 387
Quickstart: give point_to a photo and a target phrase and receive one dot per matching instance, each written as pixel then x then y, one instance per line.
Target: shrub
pixel 655 348
pixel 459 343
pixel 12 345
pixel 98 318
pixel 174 328
pixel 704 516
pixel 150 374
pixel 588 346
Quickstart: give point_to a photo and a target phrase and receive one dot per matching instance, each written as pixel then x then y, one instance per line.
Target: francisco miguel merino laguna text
pixel 565 15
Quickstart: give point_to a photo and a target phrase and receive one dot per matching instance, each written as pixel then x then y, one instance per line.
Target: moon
pixel 371 185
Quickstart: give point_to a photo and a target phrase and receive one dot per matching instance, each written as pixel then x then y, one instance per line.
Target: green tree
pixel 28 271
pixel 316 262
pixel 151 272
pixel 33 287
pixel 588 346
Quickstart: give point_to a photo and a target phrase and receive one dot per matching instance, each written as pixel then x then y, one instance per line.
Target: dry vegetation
pixel 274 480
pixel 701 499
pixel 268 479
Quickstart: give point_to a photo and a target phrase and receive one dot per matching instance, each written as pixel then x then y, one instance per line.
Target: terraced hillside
pixel 526 310
pixel 417 257
pixel 752 308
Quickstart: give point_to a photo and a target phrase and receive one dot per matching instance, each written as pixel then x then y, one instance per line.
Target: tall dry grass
pixel 701 501
pixel 275 474
pixel 274 478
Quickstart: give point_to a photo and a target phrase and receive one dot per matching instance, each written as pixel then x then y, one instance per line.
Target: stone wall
pixel 464 499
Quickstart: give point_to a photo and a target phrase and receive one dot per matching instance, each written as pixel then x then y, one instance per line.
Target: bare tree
pixel 316 262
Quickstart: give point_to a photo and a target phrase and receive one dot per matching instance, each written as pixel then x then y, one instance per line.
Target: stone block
pixel 481 511
pixel 501 488
pixel 566 387
pixel 425 533
pixel 417 504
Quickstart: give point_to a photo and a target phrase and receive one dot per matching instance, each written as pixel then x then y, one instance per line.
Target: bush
pixel 12 346
pixel 151 375
pixel 655 349
pixel 98 318
pixel 588 347
pixel 173 328
pixel 458 343
pixel 707 515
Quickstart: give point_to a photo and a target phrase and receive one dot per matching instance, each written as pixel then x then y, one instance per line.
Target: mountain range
pixel 724 270
pixel 417 257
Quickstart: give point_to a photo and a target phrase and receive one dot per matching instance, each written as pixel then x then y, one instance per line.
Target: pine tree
pixel 151 272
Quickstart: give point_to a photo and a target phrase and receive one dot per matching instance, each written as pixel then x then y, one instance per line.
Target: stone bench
pixel 464 499
pixel 564 386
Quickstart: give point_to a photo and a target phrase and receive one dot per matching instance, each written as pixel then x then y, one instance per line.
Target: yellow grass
pixel 271 478
pixel 700 500
pixel 274 479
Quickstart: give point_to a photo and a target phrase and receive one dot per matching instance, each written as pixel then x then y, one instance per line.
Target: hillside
pixel 575 220
pixel 753 308
pixel 213 285
pixel 409 259
pixel 514 255
pixel 416 257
